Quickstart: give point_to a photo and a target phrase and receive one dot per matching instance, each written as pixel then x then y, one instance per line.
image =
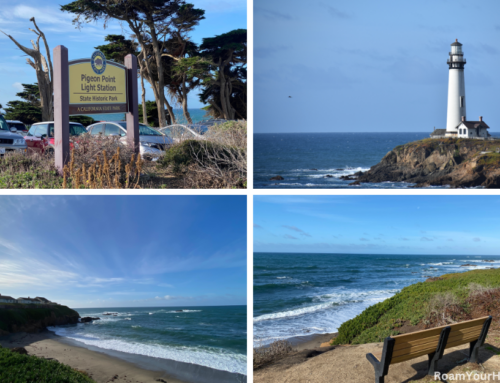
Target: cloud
pixel 165 298
pixel 288 236
pixel 18 86
pixel 364 240
pixel 257 226
pixel 271 15
pixel 297 230
pixel 425 239
pixel 476 239
pixel 450 240
pixel 267 52
pixel 334 12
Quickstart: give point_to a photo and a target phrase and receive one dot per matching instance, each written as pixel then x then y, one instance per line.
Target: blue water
pixel 304 294
pixel 293 155
pixel 214 337
pixel 197 115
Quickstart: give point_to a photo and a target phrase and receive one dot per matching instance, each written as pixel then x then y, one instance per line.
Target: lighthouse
pixel 456 90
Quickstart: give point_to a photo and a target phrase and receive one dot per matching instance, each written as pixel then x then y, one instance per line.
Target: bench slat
pixel 404 358
pixel 405 338
pixel 434 339
pixel 461 341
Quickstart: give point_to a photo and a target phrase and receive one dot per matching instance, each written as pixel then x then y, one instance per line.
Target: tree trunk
pixel 161 79
pixel 43 69
pixel 185 102
pixel 143 95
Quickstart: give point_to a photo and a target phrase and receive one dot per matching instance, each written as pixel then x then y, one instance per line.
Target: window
pixel 112 129
pixel 76 129
pixel 38 130
pixel 462 100
pixel 96 129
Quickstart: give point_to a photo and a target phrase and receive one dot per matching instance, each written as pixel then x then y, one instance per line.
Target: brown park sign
pixel 89 87
pixel 97 86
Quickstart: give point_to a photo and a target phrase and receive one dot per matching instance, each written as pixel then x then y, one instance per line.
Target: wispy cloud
pixel 271 15
pixel 335 12
pixel 425 239
pixel 296 229
pixel 288 236
pixel 256 226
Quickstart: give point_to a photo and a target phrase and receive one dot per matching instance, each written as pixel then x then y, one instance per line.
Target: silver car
pixel 9 140
pixel 152 143
pixel 181 132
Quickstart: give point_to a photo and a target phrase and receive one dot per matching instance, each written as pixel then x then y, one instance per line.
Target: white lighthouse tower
pixel 456 90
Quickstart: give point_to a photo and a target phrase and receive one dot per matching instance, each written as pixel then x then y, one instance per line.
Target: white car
pixel 181 132
pixel 152 143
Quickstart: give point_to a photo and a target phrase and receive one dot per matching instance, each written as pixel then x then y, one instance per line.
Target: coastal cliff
pixel 26 318
pixel 439 162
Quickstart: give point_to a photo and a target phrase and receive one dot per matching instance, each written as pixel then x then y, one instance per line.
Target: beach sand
pixel 113 366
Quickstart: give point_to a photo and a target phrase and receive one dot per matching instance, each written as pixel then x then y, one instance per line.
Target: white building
pixel 456 89
pixel 6 299
pixel 457 125
pixel 473 129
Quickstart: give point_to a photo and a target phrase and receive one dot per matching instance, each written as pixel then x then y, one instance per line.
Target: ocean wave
pixel 209 357
pixel 332 299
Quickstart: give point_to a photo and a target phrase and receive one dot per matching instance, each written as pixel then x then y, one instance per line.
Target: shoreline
pixel 103 365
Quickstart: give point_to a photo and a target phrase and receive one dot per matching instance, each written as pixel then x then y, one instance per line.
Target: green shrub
pixel 17 368
pixel 410 305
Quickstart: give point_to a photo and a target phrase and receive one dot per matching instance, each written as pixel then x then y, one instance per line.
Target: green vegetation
pixel 410 306
pixel 15 367
pixel 26 314
pixel 29 110
pixel 489 159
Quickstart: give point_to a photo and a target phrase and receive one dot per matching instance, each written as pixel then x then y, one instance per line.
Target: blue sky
pixel 371 66
pixel 124 251
pixel 461 225
pixel 221 16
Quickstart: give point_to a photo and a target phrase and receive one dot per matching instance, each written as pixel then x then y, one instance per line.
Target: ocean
pixel 213 337
pixel 306 294
pixel 304 159
pixel 197 115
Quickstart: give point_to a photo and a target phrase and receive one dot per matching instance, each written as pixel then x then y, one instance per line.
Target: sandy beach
pixel 112 366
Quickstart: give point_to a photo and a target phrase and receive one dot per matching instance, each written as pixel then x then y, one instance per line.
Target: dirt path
pixel 345 364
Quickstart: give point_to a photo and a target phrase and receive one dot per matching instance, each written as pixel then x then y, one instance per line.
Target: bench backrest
pixel 413 345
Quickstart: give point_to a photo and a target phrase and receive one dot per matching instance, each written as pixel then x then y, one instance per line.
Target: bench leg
pixel 433 363
pixel 473 352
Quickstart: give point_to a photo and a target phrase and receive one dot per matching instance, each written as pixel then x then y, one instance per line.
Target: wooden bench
pixel 430 342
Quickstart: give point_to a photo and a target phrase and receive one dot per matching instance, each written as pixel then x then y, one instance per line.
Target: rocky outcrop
pixel 33 320
pixel 277 178
pixel 439 162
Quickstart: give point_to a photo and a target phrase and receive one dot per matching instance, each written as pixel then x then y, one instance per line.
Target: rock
pixel 313 169
pixel 277 178
pixel 355 183
pixel 339 169
pixel 88 319
pixel 488 260
pixel 439 162
pixel 161 380
pixel 328 176
pixel 468 265
pixel 19 350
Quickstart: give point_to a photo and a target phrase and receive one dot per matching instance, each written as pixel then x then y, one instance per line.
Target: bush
pixel 21 171
pixel 219 161
pixel 412 304
pixel 266 354
pixel 15 367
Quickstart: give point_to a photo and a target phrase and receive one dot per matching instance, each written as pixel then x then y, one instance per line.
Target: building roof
pixel 456 43
pixel 438 132
pixel 474 124
pixel 6 297
pixel 42 299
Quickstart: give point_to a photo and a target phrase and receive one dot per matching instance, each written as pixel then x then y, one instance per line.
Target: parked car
pixel 152 143
pixel 9 141
pixel 40 137
pixel 180 132
pixel 18 125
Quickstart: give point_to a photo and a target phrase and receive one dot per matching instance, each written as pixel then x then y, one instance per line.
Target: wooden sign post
pixel 92 86
pixel 61 107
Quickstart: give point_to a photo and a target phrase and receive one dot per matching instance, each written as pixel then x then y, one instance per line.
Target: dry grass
pixel 264 354
pixel 439 306
pixel 219 161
